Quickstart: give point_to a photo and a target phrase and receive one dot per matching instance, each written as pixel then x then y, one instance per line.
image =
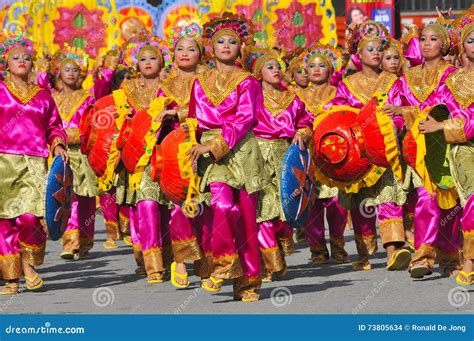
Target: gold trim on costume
pixel 205 266
pixel 178 88
pixel 425 253
pixel 363 87
pixel 454 130
pixel 422 82
pixel 138 95
pixel 68 103
pixel 366 245
pixel 73 136
pixel 219 148
pixel 468 245
pixel 227 267
pixel 71 241
pixel 272 259
pixel 316 99
pixel 218 85
pixel 33 254
pixel 153 260
pixel 392 231
pixel 23 95
pixel 58 142
pixel 461 84
pixel 277 101
pixel 186 251
pixel 10 265
pixel 244 283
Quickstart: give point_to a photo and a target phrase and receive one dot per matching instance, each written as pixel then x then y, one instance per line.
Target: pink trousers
pixel 79 233
pixel 20 238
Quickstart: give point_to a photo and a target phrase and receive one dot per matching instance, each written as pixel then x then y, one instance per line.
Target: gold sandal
pixel 399 260
pixel 30 280
pixel 463 278
pixel 183 278
pixel 212 285
pixel 10 289
pixel 250 296
pixel 110 244
pixel 156 277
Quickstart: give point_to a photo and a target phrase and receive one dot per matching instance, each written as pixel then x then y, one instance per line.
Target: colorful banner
pixel 99 25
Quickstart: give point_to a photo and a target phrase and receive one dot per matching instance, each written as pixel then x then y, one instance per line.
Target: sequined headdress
pixel 255 57
pixel 229 23
pixel 332 55
pixel 464 25
pixel 74 54
pixel 9 42
pixel 189 29
pixel 365 32
pixel 144 39
pixel 294 59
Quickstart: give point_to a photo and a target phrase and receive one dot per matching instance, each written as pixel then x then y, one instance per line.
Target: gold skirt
pixel 387 189
pixel 461 163
pixel 22 185
pixel 242 168
pixel 269 202
pixel 85 181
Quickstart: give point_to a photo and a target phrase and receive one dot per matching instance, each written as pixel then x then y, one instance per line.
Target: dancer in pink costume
pixel 282 119
pixel 224 101
pixel 72 101
pixel 423 86
pixel 386 195
pixel 322 62
pixel 30 123
pixel 186 234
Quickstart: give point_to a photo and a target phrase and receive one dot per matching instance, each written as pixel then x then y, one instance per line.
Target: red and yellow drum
pixel 379 135
pixel 100 127
pixel 337 148
pixel 172 168
pixel 132 140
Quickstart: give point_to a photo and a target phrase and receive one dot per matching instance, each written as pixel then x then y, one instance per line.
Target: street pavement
pixel 106 284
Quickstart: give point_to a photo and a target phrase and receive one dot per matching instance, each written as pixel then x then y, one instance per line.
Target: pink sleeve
pixel 54 124
pixel 394 98
pixel 304 118
pixel 341 97
pixel 413 52
pixel 103 83
pixel 42 79
pixel 237 126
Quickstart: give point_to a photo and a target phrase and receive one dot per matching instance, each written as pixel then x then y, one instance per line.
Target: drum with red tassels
pixel 132 140
pixel 338 148
pixel 99 130
pixel 172 168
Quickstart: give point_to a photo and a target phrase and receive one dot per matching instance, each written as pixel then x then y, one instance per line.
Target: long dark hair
pixel 349 15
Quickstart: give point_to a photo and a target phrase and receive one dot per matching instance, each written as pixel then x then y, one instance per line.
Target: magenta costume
pixel 281 116
pixel 150 207
pixel 225 105
pixel 29 124
pixel 387 194
pixel 78 237
pixel 435 233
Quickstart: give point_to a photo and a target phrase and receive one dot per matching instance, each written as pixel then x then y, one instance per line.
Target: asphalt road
pixel 106 284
